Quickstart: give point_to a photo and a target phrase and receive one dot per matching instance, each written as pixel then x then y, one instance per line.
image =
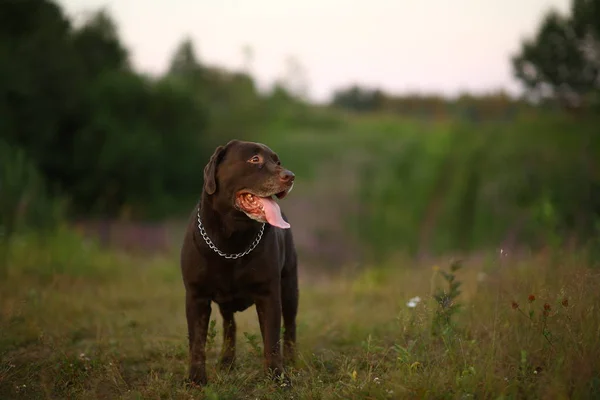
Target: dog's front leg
pixel 268 307
pixel 198 314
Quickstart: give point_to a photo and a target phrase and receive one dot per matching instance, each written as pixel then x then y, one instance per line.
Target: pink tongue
pixel 273 213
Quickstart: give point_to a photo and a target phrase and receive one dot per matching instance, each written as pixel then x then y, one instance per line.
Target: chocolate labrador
pixel 238 251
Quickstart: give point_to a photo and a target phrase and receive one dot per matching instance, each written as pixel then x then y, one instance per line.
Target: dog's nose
pixel 286 176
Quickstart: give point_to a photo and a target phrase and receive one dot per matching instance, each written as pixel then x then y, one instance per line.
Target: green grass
pixel 80 323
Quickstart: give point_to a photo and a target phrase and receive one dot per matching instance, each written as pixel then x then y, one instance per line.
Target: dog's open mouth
pixel 262 209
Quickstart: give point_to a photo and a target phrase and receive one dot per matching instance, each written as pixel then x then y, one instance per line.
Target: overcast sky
pixel 443 46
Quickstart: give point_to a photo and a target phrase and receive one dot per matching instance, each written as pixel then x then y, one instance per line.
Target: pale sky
pixel 443 46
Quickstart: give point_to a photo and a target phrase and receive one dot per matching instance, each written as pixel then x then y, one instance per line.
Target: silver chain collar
pixel 225 255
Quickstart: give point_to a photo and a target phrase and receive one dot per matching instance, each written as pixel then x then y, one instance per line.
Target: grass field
pixel 79 323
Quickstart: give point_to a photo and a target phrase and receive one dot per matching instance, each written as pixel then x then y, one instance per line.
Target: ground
pixel 85 324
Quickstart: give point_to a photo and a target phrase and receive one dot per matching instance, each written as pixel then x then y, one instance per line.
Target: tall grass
pixel 24 201
pixel 435 187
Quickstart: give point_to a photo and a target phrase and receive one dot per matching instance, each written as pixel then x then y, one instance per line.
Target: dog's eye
pixel 254 160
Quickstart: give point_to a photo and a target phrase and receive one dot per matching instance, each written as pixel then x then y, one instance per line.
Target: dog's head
pixel 249 176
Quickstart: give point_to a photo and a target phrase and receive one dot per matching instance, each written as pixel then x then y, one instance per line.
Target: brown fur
pixel 266 277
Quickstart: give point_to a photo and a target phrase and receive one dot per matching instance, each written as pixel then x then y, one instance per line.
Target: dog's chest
pixel 236 280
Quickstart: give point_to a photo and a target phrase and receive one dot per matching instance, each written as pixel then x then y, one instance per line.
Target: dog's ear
pixel 210 170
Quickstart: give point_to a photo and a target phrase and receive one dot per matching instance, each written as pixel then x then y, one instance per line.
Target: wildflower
pixel 436 268
pixel 531 298
pixel 412 303
pixel 515 305
pixel 565 302
pixel 547 309
pixel 354 375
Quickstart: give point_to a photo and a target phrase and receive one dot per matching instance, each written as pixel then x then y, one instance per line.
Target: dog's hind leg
pixel 289 308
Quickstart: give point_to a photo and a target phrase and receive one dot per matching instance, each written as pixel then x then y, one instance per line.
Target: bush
pixel 24 202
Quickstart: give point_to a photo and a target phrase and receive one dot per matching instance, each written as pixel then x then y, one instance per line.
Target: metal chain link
pixel 219 252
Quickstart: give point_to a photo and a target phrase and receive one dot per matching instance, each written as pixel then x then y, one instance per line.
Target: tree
pixel 356 98
pixel 41 82
pixel 562 61
pixel 231 99
pixel 98 133
pixel 184 62
pixel 98 45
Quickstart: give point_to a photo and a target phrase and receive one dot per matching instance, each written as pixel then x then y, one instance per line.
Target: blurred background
pixel 414 128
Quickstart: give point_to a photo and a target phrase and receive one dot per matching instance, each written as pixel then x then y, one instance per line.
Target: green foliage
pixel 498 106
pixel 561 62
pixel 211 334
pixel 23 199
pixel 253 341
pixel 24 203
pixel 99 47
pixel 101 134
pixel 114 142
pixel 139 126
pixel 466 187
pixel 443 324
pixel 57 252
pixel 356 98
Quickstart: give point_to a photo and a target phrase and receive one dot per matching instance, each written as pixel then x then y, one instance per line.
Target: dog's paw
pixel 189 384
pixel 196 379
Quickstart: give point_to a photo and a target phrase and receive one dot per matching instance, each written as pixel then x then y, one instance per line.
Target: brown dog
pixel 238 250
